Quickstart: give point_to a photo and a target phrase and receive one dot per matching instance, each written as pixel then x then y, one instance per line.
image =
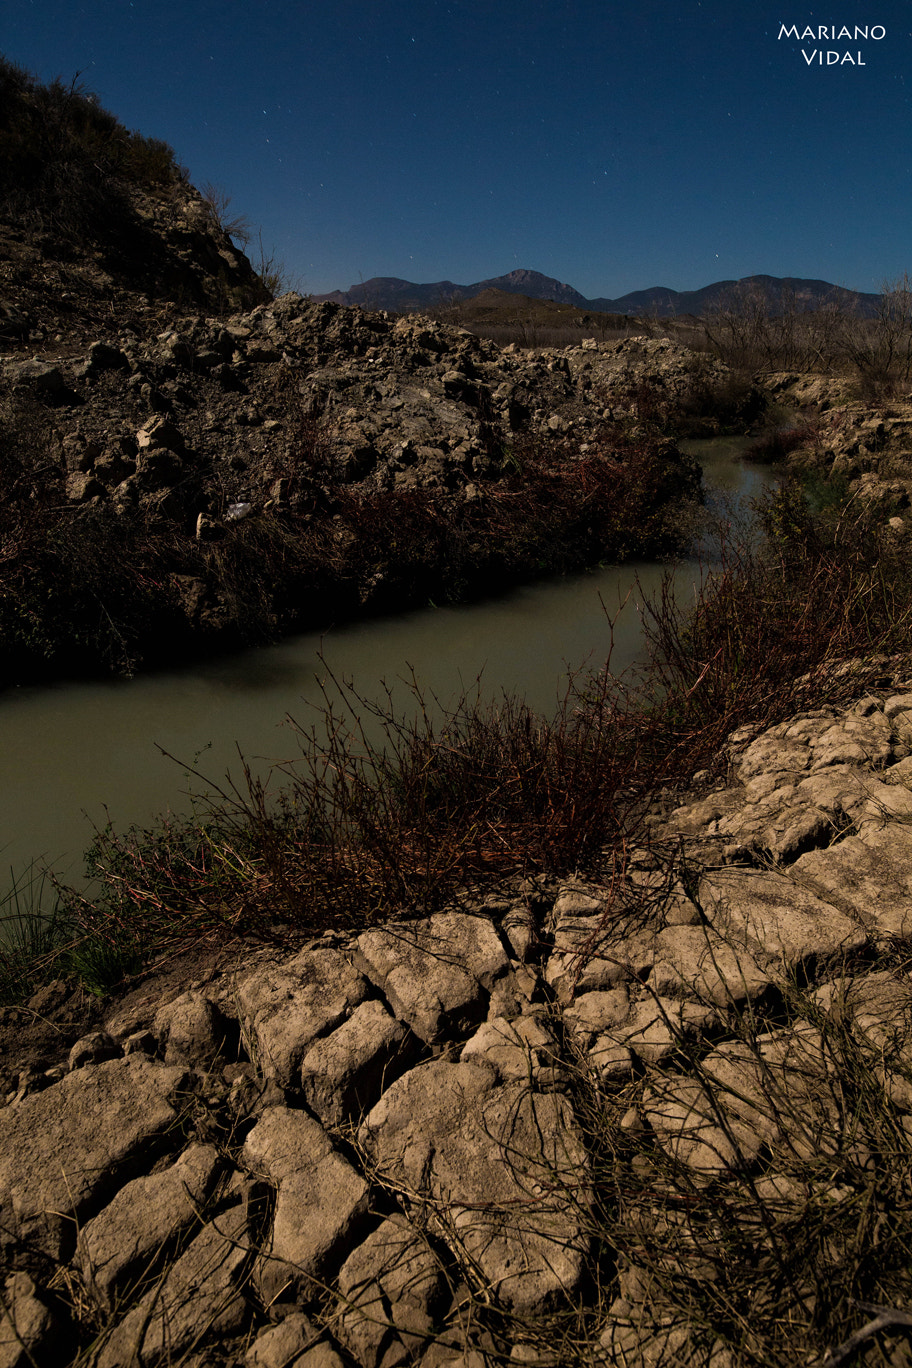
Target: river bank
pixel 659 1115
pixel 77 754
pixel 338 465
pixel 403 804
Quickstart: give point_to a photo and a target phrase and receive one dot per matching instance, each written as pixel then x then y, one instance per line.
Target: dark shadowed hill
pixel 95 217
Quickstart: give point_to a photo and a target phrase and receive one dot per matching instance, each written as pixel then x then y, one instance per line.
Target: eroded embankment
pixel 187 484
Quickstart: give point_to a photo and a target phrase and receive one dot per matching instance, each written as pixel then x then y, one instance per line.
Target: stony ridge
pixel 391 1149
pixel 404 401
pixel 229 466
pixel 869 448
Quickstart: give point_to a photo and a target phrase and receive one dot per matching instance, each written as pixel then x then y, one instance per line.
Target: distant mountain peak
pixel 390 292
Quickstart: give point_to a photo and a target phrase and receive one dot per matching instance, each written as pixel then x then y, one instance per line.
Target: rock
pixel 249 1096
pixel 78 453
pixel 878 1005
pixel 437 974
pixel 869 877
pixel 343 1074
pixel 320 1356
pixel 281 1346
pixel 447 1134
pixel 425 407
pixel 126 1241
pixel 876 1009
pixel 103 356
pixel 693 1127
pixel 521 1049
pixel 593 951
pixel 200 1297
pixel 803 784
pixel 65 1150
pixel 191 1029
pixel 321 1201
pixel 590 1014
pixel 652 1337
pixel 696 962
pixel 26 1324
pixel 82 486
pixel 45 379
pixel 516 993
pixel 93 1049
pixel 777 917
pixel 140 1042
pixel 779 1088
pixel 654 1029
pixel 468 1180
pixel 286 1007
pixel 392 1292
pixel 111 467
pixel 157 468
pixel 207 529
pixel 520 929
pixel 159 433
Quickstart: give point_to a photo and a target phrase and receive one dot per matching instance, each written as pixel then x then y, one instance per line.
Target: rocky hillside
pixel 862 448
pixel 99 223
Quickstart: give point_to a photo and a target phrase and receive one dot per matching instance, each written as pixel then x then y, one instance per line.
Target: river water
pixel 71 754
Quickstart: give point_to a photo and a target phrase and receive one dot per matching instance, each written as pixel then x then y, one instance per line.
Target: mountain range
pixel 403 296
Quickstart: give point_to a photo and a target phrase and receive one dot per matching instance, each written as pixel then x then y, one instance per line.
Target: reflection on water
pixel 72 753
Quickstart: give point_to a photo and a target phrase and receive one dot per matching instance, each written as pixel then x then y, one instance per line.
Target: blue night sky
pixel 614 145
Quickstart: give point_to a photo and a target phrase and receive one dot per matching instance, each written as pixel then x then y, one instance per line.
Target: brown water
pixel 72 754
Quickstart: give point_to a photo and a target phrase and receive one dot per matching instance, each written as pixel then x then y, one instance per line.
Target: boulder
pixel 93 1048
pixel 127 1239
pixel 781 921
pixel 696 962
pixel 282 1345
pixel 502 1172
pixel 26 1324
pixel 868 877
pixel 321 1201
pixel 392 1291
pixel 523 1049
pixel 82 486
pixel 66 1150
pixel 199 1298
pixel 286 1006
pixel 343 1074
pixel 191 1029
pixel 159 433
pixel 437 974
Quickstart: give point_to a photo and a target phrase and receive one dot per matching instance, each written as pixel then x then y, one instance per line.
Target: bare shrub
pixel 880 349
pixel 755 329
pixel 217 203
